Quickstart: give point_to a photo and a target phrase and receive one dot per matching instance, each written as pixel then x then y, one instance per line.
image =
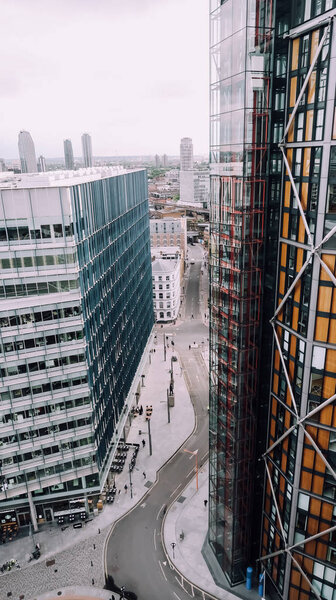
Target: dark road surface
pixel 134 552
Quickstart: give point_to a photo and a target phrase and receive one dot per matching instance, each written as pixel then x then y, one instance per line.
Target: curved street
pixel 134 554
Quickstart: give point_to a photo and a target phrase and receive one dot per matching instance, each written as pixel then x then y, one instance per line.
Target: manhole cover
pixel 148 484
pixel 181 499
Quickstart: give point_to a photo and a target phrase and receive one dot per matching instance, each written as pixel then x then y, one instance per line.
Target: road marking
pixel 143 505
pixel 175 594
pixel 192 470
pixel 206 454
pixel 175 490
pixel 154 536
pixel 191 456
pixel 163 573
pixel 157 516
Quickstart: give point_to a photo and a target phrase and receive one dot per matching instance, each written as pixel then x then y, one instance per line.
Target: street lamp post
pixel 164 347
pixel 149 437
pixel 168 406
pixel 130 478
pixel 194 452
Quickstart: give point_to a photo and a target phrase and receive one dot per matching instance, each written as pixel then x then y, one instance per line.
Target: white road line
pixel 157 516
pixel 192 470
pixel 163 573
pixel 191 457
pixel 206 454
pixel 175 490
pixel 175 594
pixel 154 536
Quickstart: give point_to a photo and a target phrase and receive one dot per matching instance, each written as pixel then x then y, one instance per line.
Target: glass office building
pixel 272 270
pixel 76 314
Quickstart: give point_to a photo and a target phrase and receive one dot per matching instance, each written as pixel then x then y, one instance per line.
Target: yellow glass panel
pixel 332 332
pixel 297 292
pixel 306 162
pixel 292 95
pixel 311 88
pixel 295 318
pixel 314 44
pixel 309 125
pixel 293 345
pixel 290 157
pixel 326 417
pixel 295 54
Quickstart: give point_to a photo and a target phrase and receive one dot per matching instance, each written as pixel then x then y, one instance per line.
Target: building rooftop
pixel 64 178
pixel 161 265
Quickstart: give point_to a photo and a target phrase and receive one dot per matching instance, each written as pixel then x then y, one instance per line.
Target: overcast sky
pixel 132 73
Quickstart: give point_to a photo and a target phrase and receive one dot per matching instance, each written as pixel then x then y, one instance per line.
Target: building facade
pixel 166 282
pixel 27 153
pixel 169 232
pixel 76 313
pixel 68 155
pixel 272 284
pixel 87 150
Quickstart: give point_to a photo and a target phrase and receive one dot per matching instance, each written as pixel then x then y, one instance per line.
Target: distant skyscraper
pixel 186 154
pixel 157 161
pixel 2 165
pixel 165 160
pixel 41 164
pixel 68 155
pixel 27 153
pixel 87 150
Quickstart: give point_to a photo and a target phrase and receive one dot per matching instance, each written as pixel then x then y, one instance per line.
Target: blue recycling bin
pixel 249 572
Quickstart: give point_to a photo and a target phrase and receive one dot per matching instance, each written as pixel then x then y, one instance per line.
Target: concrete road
pixel 134 555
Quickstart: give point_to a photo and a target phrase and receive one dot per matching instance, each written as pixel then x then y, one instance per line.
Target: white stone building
pixel 166 286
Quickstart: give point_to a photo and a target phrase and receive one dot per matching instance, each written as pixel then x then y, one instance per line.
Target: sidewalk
pixel 189 516
pixel 78 553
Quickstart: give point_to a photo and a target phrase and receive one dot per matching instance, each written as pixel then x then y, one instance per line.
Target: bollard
pixel 249 572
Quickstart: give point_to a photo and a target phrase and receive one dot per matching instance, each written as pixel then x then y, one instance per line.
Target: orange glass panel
pixel 306 480
pixel 330 364
pixel 277 360
pixel 282 283
pixel 329 385
pixel 308 458
pixel 314 44
pixel 302 231
pixel 327 511
pixel 283 255
pixel 332 331
pixel 309 125
pixel 285 225
pixel 311 88
pixel 287 193
pixel 293 345
pixel 329 260
pixel 290 134
pixel 324 299
pixel 304 195
pixel 321 329
pixel 318 485
pixel 306 162
pixel 295 54
pixel 292 95
pixel 297 291
pixel 299 259
pixel 295 318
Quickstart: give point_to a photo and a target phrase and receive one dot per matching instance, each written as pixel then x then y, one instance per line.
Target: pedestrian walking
pixel 144 474
pixel 189 347
pixel 125 488
pixel 143 443
pixel 205 503
pixel 192 316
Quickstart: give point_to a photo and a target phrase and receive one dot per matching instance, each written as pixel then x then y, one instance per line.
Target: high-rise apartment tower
pixel 68 155
pixel 186 154
pixel 27 153
pixel 272 285
pixel 87 150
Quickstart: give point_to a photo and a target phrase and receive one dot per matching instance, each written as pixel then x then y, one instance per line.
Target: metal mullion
pixel 310 239
pixel 283 533
pixel 306 81
pixel 312 537
pixel 326 269
pixel 285 369
pixel 292 286
pixel 282 437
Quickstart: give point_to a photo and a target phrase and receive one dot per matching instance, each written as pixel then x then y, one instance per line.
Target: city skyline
pixel 67 79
